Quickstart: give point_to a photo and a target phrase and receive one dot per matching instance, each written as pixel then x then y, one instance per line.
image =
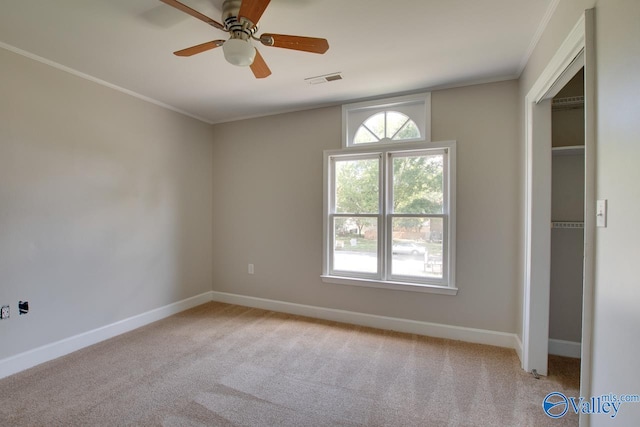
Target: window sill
pixel 396 286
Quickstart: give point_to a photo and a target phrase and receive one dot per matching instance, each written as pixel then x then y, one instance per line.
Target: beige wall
pixel 567 124
pixel 105 205
pixel 267 175
pixel 564 130
pixel 616 334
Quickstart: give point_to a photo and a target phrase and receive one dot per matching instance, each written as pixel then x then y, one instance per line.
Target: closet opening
pixel 567 223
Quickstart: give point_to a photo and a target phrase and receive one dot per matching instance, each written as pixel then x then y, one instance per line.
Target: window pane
pixel 417 247
pixel 376 124
pixel 355 246
pixel 408 131
pixel 395 121
pixel 357 186
pixel 364 136
pixel 417 184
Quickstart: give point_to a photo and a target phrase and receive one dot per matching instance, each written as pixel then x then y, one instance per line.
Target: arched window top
pixel 399 119
pixel 386 126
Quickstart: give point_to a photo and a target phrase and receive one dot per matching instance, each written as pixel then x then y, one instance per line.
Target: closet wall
pixel 567 214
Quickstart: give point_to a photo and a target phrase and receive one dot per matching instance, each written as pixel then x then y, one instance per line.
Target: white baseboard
pixel 28 359
pixel 518 348
pixel 479 336
pixel 31 358
pixel 565 348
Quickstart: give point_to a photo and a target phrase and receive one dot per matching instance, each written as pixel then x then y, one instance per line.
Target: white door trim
pixel 537 239
pixel 590 142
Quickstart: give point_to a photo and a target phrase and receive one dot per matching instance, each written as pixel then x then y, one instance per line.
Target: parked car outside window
pixel 408 248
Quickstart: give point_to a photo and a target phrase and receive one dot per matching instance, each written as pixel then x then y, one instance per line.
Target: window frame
pixel 416 107
pixel 384 277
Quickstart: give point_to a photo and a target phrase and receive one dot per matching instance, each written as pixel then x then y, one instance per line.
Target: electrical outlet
pixel 4 312
pixel 23 307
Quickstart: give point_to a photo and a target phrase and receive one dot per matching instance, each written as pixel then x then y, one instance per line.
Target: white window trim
pixel 449 250
pixel 350 126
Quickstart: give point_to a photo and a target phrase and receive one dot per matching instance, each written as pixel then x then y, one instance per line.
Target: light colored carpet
pixel 226 365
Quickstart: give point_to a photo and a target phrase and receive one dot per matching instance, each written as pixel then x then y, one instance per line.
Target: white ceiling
pixel 381 47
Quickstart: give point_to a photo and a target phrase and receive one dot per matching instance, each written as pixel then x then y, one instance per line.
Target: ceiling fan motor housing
pixel 241 29
pixel 238 49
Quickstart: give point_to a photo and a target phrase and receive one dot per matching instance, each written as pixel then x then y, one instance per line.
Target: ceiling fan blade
pixel 306 44
pixel 186 9
pixel 253 9
pixel 259 67
pixel 199 48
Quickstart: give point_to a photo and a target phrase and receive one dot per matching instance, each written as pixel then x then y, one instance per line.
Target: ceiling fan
pixel 240 19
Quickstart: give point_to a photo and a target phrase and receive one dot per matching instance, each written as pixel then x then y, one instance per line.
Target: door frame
pixel 576 51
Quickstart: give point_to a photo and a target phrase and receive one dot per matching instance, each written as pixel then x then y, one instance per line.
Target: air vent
pixel 324 79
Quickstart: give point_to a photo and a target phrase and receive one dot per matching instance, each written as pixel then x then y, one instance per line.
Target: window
pixel 399 119
pixel 386 126
pixel 390 216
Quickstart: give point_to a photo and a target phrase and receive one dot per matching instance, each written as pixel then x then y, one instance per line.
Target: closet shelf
pixel 568 150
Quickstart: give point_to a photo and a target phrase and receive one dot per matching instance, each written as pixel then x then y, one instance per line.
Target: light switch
pixel 601 213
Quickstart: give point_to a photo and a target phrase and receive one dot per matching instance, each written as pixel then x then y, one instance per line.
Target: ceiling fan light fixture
pixel 239 52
